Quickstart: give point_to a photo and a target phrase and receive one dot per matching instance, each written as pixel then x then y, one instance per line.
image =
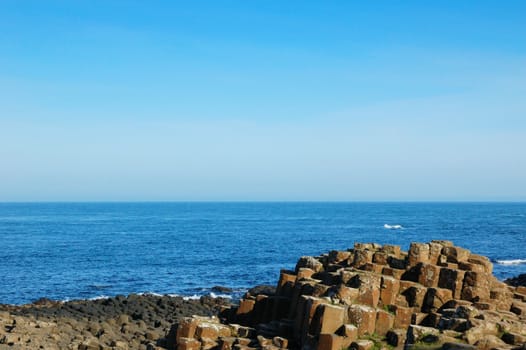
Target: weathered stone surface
pixel 418 253
pixel 368 285
pixel 428 275
pixel 330 342
pixel 476 333
pixel 490 341
pixel 380 258
pixel 347 295
pixel 402 316
pixel 422 334
pixel 187 328
pixel 389 289
pixel 384 322
pixel 336 256
pixel 396 337
pixel 245 306
pixel 415 295
pixel 286 282
pixel 363 317
pixel 395 273
pixel 362 345
pixel 435 298
pixel 350 332
pixel 362 257
pixel 331 318
pixel 309 262
pixel 187 344
pixel 481 260
pixel 304 272
pixel 391 250
pixel 435 250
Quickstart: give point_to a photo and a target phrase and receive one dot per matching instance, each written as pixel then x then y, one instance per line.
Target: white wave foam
pixel 197 297
pixel 100 297
pixel 150 293
pixel 214 295
pixel 511 262
pixel 393 227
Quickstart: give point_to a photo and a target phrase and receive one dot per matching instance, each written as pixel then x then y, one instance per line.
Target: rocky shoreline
pixel 122 322
pixel 435 296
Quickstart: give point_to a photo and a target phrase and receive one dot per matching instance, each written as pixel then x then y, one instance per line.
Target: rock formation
pixel 118 323
pixel 435 296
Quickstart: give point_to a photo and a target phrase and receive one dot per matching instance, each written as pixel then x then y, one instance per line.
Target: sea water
pixel 66 251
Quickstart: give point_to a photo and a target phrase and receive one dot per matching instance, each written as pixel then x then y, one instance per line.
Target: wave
pixel 197 297
pixel 393 227
pixel 511 262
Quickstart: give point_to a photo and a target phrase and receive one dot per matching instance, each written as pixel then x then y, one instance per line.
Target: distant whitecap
pixel 393 227
pixel 511 262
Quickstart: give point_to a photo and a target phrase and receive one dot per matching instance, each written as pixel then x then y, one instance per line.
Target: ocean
pixel 65 251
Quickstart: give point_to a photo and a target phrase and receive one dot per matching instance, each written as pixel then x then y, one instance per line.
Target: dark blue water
pixel 84 250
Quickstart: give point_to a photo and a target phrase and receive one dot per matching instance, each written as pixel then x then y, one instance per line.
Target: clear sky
pixel 262 100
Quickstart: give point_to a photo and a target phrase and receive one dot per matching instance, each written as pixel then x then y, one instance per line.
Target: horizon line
pixel 467 201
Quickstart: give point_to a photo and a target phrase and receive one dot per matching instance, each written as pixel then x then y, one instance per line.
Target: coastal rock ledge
pixel 435 296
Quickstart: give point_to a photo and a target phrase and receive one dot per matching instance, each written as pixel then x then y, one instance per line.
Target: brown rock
pixel 187 327
pixel 435 298
pixel 391 249
pixel 380 258
pixel 481 260
pixel 304 272
pixel 456 254
pixel 188 344
pixel 476 333
pixel 206 330
pixel 309 262
pixel 350 332
pixel 330 342
pixel 384 322
pixel 332 318
pixel 417 334
pixel 336 256
pixel 362 345
pixel 368 285
pixel 402 316
pixel 490 341
pixel 389 289
pixel 346 294
pixel 280 342
pixel 362 257
pixel 285 283
pixel 435 250
pixel 428 275
pixel 363 317
pixel 418 253
pixel 395 273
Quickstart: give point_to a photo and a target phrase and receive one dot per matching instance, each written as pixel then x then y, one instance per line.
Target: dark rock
pixel 221 289
pixel 517 281
pixel 262 289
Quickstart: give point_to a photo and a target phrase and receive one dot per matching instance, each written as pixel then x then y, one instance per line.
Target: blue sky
pixel 262 100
